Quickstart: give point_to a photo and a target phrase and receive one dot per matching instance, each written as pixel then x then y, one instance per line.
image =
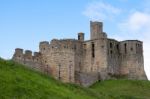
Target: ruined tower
pixel 81 36
pixel 96 29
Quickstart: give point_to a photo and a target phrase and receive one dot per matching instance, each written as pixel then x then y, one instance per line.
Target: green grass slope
pixel 123 89
pixel 18 82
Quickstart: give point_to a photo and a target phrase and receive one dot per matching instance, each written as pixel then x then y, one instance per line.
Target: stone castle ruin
pixel 86 61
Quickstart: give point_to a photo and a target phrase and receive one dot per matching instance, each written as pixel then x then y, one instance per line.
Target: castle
pixel 85 62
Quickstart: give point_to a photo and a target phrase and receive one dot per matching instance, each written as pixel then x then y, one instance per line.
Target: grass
pixel 123 89
pixel 19 82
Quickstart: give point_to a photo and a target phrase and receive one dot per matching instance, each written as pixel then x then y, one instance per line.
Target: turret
pixel 96 29
pixel 18 53
pixel 28 54
pixel 43 46
pixel 81 36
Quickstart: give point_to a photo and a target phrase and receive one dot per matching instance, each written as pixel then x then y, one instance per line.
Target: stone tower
pixel 132 61
pixel 81 36
pixel 96 29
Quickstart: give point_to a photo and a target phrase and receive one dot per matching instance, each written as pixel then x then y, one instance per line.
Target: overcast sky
pixel 24 23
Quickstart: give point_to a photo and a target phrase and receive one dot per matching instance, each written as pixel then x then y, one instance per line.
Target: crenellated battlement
pixel 64 44
pixel 25 54
pixel 18 52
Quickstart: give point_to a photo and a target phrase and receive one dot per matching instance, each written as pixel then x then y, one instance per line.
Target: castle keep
pixel 86 61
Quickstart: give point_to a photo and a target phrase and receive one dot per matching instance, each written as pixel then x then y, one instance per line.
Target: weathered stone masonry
pixel 85 62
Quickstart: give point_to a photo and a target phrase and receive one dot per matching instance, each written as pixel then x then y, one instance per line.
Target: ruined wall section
pixel 132 63
pixel 113 57
pixel 26 58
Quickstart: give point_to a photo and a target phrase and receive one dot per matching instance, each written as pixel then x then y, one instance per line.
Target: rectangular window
pixel 125 48
pixel 78 37
pixel 70 72
pixel 111 45
pixel 59 73
pixel 93 50
pixel 117 47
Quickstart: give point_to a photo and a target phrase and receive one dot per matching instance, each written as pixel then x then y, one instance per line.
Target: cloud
pixel 100 11
pixel 137 25
pixel 136 22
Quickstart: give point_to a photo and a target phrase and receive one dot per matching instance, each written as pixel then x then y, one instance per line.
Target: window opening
pixel 93 50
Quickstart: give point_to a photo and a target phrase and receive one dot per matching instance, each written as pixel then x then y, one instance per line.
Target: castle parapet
pixel 65 45
pixel 44 43
pixel 36 54
pixel 131 47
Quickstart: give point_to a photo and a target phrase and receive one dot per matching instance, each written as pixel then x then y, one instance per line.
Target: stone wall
pixel 95 51
pixel 63 57
pixel 26 58
pixel 86 79
pixel 113 57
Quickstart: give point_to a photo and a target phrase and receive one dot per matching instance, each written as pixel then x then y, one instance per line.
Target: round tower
pixel 132 62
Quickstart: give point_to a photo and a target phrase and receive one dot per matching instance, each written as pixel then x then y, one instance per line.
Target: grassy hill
pixel 19 82
pixel 123 89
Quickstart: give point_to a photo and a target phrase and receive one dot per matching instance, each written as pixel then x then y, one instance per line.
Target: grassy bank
pixel 19 82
